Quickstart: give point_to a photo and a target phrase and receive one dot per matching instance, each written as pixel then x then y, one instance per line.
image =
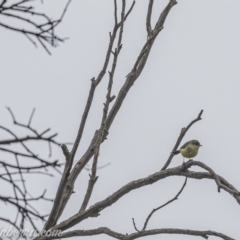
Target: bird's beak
pixel 201 145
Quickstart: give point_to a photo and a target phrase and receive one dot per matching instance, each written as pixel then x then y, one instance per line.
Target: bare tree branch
pixel 134 225
pixel 109 99
pixel 177 171
pixel 138 66
pixel 84 118
pixel 227 188
pixel 10 222
pixel 137 69
pixel 21 197
pixel 170 201
pixel 44 32
pixel 149 15
pixel 116 235
pixel 62 199
pixel 69 156
pixel 182 134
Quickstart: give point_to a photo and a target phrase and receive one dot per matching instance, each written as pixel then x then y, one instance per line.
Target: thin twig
pixel 30 119
pixel 168 202
pixel 115 12
pixel 129 11
pixel 134 225
pixel 149 15
pixel 20 197
pixel 44 32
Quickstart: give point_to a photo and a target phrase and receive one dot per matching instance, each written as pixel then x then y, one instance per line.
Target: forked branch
pixel 177 171
pixel 66 186
pixel 24 13
pixel 13 172
pixel 168 202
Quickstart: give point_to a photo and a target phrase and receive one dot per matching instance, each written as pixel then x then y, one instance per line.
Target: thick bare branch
pixel 177 171
pixel 116 235
pixel 138 67
pixel 228 189
pixel 64 192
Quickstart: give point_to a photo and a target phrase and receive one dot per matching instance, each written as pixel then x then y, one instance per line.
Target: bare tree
pixel 73 167
pixel 37 26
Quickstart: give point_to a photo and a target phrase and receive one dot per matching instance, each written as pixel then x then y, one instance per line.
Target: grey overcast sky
pixel 194 65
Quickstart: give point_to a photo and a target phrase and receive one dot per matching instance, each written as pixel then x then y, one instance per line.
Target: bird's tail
pixel 176 152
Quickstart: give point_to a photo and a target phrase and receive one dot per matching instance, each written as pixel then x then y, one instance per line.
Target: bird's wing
pixel 184 145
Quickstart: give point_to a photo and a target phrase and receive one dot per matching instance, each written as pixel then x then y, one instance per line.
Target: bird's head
pixel 196 143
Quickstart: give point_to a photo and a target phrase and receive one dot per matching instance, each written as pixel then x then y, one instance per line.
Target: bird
pixel 188 149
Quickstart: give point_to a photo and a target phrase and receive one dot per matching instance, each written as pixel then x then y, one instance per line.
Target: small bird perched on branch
pixel 189 149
